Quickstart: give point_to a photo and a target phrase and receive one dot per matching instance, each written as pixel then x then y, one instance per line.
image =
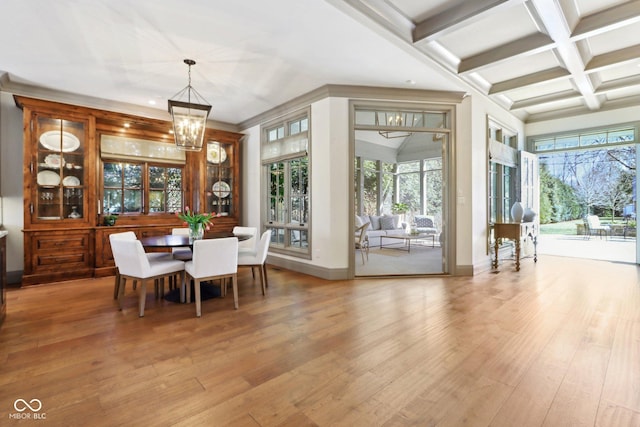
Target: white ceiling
pixel 536 58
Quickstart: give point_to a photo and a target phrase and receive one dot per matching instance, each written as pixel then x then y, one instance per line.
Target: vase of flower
pixel 196 232
pixel 198 223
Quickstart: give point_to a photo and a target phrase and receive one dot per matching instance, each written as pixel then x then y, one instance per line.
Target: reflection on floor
pixel 423 259
pixel 614 248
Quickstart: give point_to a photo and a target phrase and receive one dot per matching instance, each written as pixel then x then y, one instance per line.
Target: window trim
pixel 286 157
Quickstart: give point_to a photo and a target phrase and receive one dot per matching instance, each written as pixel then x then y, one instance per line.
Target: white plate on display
pixel 48 178
pixel 215 153
pixel 221 189
pixel 54 161
pixel 59 141
pixel 71 181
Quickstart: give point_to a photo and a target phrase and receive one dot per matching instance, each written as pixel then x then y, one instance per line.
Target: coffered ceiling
pixel 538 59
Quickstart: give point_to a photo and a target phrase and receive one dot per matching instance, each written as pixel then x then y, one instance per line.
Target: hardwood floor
pixel 555 344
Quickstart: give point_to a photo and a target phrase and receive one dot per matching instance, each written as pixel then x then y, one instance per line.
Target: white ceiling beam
pixel 529 80
pixel 618 84
pixel 529 45
pixel 546 99
pixel 550 15
pixel 607 20
pixel 384 14
pixel 457 16
pixel 612 59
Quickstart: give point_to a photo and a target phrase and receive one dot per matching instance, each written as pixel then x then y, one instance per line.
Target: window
pixel 503 161
pixel 285 157
pixel 584 139
pixel 124 189
pixel 140 177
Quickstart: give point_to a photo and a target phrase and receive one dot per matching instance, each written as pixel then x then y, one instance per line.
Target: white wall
pixel 11 153
pixel 251 172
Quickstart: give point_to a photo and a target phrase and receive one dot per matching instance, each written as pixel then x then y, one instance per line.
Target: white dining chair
pixel 258 258
pixel 183 253
pixel 213 259
pixel 248 245
pixel 129 235
pixel 133 263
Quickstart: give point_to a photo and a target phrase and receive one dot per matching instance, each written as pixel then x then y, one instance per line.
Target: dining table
pixel 182 240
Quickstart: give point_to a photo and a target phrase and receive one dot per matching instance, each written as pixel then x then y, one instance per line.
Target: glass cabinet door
pixel 60 174
pixel 220 185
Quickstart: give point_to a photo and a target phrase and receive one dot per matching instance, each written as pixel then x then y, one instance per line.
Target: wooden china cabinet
pixel 64 195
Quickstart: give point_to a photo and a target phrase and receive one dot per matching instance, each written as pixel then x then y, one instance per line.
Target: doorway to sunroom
pixel 400 191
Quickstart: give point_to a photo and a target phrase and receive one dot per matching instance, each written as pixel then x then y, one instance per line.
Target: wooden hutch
pixel 66 148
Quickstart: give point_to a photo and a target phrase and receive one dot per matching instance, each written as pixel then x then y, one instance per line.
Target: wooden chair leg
pixel 116 285
pixel 121 285
pixel 263 278
pixel 187 283
pixel 143 297
pixel 264 268
pixel 196 288
pixel 234 285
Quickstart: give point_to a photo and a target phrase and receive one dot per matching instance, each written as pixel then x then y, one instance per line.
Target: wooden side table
pixel 516 231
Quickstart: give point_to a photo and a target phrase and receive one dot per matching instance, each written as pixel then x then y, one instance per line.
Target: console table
pixel 516 231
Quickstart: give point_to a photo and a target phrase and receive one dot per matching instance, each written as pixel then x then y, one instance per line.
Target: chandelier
pixel 402 120
pixel 189 118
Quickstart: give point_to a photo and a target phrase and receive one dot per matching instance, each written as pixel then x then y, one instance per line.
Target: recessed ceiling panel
pixel 589 7
pixel 610 41
pixel 556 106
pixel 518 67
pixel 631 69
pixel 542 89
pixel 496 29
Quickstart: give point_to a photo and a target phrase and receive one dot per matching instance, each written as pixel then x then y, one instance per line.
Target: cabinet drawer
pixel 73 242
pixel 63 260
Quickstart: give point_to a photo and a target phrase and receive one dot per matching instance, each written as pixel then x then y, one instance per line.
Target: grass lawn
pixel 566 227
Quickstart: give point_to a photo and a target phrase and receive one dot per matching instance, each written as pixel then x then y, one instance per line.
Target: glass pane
pixel 132 201
pixel 298 238
pixel 112 175
pixel 409 167
pixel 132 176
pixel 436 120
pixel 626 135
pixel 544 145
pixel 593 139
pixel 174 179
pixel 112 202
pixel 174 201
pixel 409 190
pixel 276 191
pixel 294 128
pixel 567 142
pixel 367 118
pixel 156 201
pixel 277 236
pixel 370 192
pixel 156 177
pixel 304 125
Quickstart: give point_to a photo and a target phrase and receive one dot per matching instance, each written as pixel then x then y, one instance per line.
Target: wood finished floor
pixel 556 344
